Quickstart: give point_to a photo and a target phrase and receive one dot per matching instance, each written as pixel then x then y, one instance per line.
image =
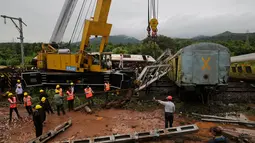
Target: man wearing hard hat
pixel 19 91
pixel 169 110
pixel 13 105
pixel 38 123
pixel 47 103
pixel 28 103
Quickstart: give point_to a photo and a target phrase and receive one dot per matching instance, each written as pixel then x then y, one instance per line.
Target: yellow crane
pixel 87 68
pixel 50 59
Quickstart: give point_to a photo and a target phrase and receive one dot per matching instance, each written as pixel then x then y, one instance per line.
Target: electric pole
pixel 20 29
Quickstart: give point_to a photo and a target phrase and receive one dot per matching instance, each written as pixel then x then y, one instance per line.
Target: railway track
pixel 240 87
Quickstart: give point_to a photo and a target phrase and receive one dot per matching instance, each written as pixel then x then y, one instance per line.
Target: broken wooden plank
pixel 229 121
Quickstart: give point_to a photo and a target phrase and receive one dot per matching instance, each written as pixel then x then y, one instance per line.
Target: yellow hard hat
pixel 7 92
pixel 56 91
pixel 58 86
pixel 18 80
pixel 71 83
pixel 10 94
pixel 2 75
pixel 38 107
pixel 43 99
pixel 25 93
pixel 41 91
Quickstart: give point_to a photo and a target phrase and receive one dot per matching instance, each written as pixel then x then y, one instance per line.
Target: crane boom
pixel 63 20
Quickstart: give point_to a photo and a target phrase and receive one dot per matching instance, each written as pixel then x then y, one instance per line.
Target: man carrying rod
pixel 169 110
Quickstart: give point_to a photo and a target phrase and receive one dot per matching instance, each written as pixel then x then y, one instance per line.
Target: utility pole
pixel 20 29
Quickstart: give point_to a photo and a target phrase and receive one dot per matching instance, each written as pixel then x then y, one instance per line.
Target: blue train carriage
pixel 200 66
pixel 243 67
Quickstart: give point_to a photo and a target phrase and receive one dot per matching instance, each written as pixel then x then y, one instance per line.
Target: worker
pixel 19 92
pixel 107 87
pixel 218 137
pixel 70 99
pixel 59 102
pixel 169 110
pixel 89 95
pixel 109 64
pixel 13 105
pixel 72 88
pixel 38 121
pixel 18 83
pixel 121 61
pixel 47 103
pixel 43 109
pixel 60 90
pixel 28 103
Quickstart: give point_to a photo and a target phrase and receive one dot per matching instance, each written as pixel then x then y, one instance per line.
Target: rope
pixel 78 21
pixel 83 21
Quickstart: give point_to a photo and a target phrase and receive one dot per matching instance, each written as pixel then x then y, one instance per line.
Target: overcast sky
pixel 177 18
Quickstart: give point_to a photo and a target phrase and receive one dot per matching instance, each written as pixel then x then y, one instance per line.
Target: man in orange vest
pixel 13 105
pixel 70 98
pixel 89 95
pixel 107 87
pixel 28 103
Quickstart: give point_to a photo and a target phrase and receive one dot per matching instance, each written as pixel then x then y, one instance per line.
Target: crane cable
pixel 78 21
pixel 79 34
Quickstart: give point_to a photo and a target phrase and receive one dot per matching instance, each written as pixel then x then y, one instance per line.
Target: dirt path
pixel 104 122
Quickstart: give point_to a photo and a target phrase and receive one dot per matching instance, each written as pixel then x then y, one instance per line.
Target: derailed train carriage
pixel 201 68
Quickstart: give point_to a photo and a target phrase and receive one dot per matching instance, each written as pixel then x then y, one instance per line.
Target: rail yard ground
pixel 136 115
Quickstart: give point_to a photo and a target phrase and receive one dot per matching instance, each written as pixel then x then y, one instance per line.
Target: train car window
pixel 126 56
pixel 248 69
pixel 233 69
pixel 240 69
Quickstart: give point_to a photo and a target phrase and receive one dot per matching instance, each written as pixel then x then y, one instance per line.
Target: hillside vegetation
pixel 236 42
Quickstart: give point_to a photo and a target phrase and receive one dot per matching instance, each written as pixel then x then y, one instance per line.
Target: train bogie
pixel 202 64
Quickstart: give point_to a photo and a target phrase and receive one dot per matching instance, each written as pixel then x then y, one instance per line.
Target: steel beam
pixel 139 136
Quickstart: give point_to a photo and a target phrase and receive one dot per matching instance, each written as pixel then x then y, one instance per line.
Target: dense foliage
pixel 237 43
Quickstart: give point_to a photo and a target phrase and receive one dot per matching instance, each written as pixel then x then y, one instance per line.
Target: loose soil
pixel 100 123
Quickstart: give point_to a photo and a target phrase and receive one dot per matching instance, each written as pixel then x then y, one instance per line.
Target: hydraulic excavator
pixel 60 66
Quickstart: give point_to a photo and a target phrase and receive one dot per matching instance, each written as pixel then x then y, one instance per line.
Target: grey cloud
pixel 180 18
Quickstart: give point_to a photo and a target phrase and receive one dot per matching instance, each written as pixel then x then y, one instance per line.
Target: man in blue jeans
pixel 169 110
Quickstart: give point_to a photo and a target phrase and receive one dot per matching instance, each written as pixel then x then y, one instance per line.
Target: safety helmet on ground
pixel 38 107
pixel 56 91
pixel 10 94
pixel 25 93
pixel 58 86
pixel 43 99
pixel 169 98
pixel 18 81
pixel 71 83
pixel 41 91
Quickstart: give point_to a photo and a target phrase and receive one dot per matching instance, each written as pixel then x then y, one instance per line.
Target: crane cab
pixel 61 59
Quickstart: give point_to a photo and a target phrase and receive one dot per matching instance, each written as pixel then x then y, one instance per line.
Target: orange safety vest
pixel 27 101
pixel 70 96
pixel 107 86
pixel 88 92
pixel 13 103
